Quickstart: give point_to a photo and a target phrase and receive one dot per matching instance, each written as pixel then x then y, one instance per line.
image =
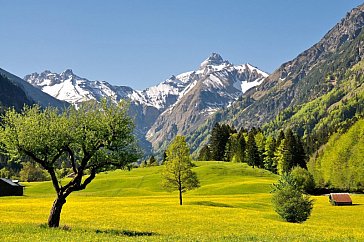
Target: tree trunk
pixel 55 214
pixel 180 197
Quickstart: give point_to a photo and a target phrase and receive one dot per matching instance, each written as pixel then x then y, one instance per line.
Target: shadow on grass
pixel 128 233
pixel 211 204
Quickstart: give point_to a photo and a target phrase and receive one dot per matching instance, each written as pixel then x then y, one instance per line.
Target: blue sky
pixel 141 43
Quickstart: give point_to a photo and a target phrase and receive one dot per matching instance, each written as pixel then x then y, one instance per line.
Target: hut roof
pixel 11 182
pixel 341 197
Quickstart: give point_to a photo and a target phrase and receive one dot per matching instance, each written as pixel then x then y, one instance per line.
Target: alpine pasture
pixel 232 204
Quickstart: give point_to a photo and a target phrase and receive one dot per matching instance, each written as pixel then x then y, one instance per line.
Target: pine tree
pixel 269 158
pixel 219 137
pixel 240 153
pixel 260 141
pixel 205 153
pixel 252 153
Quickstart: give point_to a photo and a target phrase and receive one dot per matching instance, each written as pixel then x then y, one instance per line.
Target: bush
pixel 303 179
pixel 289 202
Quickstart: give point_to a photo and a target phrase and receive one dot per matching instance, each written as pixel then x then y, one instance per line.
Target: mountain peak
pixel 67 73
pixel 213 59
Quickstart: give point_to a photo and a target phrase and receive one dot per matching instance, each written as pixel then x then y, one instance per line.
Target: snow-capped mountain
pixel 71 88
pixel 176 105
pixel 215 85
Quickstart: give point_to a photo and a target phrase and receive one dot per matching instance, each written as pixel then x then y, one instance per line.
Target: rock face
pixel 177 105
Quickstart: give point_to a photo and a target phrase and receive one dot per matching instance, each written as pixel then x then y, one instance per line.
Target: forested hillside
pixel 333 112
pixel 316 94
pixel 340 163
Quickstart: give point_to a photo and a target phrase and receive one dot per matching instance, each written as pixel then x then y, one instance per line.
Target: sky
pixel 140 43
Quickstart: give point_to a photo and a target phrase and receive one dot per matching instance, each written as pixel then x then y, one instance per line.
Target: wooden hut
pixel 339 199
pixel 10 187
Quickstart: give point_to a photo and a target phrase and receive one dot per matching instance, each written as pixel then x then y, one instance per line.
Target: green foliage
pixel 289 202
pixel 32 172
pixel 340 163
pixel 290 153
pixel 219 137
pixel 252 152
pixel 177 173
pixel 269 160
pixel 205 153
pixel 303 179
pixel 334 111
pixel 93 138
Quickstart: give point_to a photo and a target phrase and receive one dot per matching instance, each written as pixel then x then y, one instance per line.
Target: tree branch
pixel 72 158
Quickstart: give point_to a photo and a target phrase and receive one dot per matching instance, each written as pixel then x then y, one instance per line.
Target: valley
pixel 233 203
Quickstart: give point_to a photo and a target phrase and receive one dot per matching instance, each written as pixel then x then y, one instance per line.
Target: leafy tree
pixel 303 179
pixel 289 202
pixel 93 138
pixel 340 163
pixel 205 154
pixel 177 173
pixel 252 153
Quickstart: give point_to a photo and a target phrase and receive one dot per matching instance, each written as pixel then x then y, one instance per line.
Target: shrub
pixel 303 179
pixel 289 202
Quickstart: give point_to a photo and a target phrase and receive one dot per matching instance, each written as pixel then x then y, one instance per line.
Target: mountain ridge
pixel 221 78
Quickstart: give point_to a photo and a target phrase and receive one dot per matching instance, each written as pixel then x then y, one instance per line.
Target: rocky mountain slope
pixel 160 111
pixel 311 75
pixel 214 86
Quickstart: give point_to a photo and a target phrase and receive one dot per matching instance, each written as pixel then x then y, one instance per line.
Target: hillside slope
pixel 216 178
pixel 311 75
pixel 340 163
pixel 11 95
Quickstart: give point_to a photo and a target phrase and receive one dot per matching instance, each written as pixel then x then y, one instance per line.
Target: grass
pixel 233 204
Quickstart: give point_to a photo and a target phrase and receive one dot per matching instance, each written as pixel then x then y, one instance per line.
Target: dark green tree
pixel 219 137
pixel 252 153
pixel 205 153
pixel 269 158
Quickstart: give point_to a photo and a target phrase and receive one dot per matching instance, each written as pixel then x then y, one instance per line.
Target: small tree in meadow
pixel 289 201
pixel 177 173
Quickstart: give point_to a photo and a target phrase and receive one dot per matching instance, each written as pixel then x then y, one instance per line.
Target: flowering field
pixel 232 204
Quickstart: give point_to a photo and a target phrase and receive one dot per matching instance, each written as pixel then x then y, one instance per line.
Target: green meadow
pixel 232 204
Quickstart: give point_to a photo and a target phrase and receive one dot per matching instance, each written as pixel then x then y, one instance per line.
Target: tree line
pixel 276 154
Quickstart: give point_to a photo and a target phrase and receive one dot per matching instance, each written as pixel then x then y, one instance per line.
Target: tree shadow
pixel 211 204
pixel 128 233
